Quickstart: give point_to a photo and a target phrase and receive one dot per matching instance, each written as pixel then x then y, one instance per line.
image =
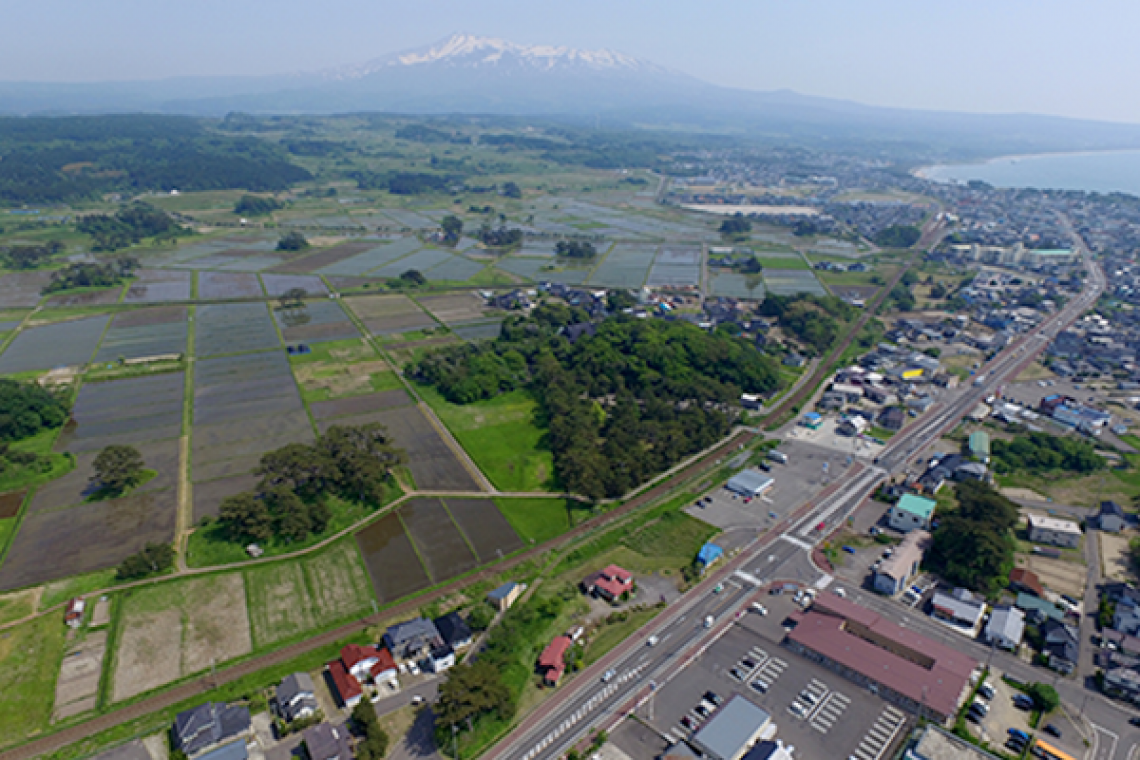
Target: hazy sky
pixel 1043 56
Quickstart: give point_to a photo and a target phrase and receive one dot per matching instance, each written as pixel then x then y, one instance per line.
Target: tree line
pixel 92 275
pixel 290 503
pixel 130 225
pixel 815 321
pixel 973 545
pixel 623 401
pixel 1041 453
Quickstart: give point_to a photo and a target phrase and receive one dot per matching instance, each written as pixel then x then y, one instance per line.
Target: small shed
pixel 1111 517
pixel 979 445
pixel 709 554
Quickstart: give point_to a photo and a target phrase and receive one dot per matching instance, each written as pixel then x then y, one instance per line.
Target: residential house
pixel 454 631
pixel 1006 627
pixel 896 573
pixel 1050 530
pixel 1126 617
pixel 1027 581
pixel 327 742
pixel 852 425
pixel 504 596
pixel 359 660
pixel 959 607
pixel 610 583
pixel 73 615
pixel 347 688
pixel 892 418
pixel 209 726
pixel 295 697
pixel 412 639
pixel 1062 645
pixel 1038 610
pixel 440 658
pixel 358 665
pixel 911 513
pixel 1111 517
pixel 552 661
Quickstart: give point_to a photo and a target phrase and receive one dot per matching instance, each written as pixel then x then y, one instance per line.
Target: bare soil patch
pixel 217 622
pixel 145 655
pixel 464 307
pixel 338 381
pixel 10 503
pixel 78 684
pixel 1114 557
pixel 1059 575
pixel 278 606
pixel 324 258
pixel 373 402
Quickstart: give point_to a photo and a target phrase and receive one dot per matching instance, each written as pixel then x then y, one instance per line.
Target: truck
pixel 778 456
pixel 979 380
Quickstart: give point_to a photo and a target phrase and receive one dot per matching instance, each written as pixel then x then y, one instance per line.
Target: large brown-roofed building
pixel 903 667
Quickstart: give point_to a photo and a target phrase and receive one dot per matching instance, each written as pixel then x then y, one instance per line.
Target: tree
pixel 412 278
pixel 255 205
pixel 575 249
pixel 374 740
pixel 246 518
pixel 511 190
pixel 735 226
pixel 152 560
pixel 1044 696
pixel 480 617
pixel 117 468
pixel 617 300
pixel 472 689
pixel 897 236
pixel 452 228
pixel 293 298
pixel 292 241
pixel 902 297
pixel 973 546
pixel 28 408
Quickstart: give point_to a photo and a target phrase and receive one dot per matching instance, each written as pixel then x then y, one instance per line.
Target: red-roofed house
pixel 1027 581
pixel 359 660
pixel 609 583
pixel 384 669
pixel 347 687
pixel 552 661
pixel 900 665
pixel 73 616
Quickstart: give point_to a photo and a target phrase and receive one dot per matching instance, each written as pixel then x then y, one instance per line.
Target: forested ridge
pixel 60 159
pixel 622 401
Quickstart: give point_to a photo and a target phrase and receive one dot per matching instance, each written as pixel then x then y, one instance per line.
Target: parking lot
pixel 826 436
pixel 817 711
pixel 1003 715
pixel 802 477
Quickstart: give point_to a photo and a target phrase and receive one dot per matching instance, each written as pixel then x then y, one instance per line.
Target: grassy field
pixel 538 520
pixel 290 598
pixel 791 262
pixel 7 528
pixel 18 604
pixel 210 546
pixel 29 665
pixel 342 368
pixel 611 634
pixel 501 436
pixel 17 477
pixel 78 585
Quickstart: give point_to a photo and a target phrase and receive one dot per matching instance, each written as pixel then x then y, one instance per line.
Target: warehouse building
pixel 750 483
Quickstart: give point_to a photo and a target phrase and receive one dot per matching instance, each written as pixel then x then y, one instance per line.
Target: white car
pixel 759 609
pixel 651 641
pixel 841 593
pixel 608 675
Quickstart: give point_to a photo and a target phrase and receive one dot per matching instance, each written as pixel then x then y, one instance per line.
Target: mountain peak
pixel 467 51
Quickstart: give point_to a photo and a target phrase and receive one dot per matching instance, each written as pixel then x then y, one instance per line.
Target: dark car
pixel 687 722
pixel 1134 721
pixel 1053 730
pixel 713 697
pixel 1022 702
pixel 747 663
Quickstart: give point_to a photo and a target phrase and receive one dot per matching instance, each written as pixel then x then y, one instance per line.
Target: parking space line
pixel 882 732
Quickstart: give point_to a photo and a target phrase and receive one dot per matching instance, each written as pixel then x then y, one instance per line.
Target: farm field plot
pixel 71 491
pixel 625 267
pixel 29 662
pixel 337 582
pixel 478 330
pixel 233 328
pixel 422 260
pixel 176 629
pixel 224 285
pixel 440 545
pixel 235 260
pixel 500 434
pixel 735 285
pixel 316 322
pixel 461 307
pixel 22 289
pixel 102 297
pixel 785 282
pixel 54 345
pixel 389 313
pixel 138 409
pixel 93 536
pixel 392 563
pixel 536 520
pixel 532 269
pixel 278 284
pixel 327 257
pixel 453 269
pixel 433 465
pixel 356 405
pixel 209 495
pixel 145 332
pixel 373 258
pixel 411 219
pixel 676 267
pixel 158 286
pixel 488 532
pixel 342 369
pixel 77 687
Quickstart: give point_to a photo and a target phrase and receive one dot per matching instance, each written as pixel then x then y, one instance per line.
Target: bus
pixel 1049 752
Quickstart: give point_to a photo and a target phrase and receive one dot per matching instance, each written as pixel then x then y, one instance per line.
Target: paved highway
pixel 600 696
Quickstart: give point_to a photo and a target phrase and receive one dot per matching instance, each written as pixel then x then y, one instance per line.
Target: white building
pixel 751 483
pixel 1050 530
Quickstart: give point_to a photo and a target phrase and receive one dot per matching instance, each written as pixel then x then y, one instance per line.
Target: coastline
pixel 924 172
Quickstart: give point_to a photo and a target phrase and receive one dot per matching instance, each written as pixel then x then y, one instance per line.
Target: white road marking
pixel 796 542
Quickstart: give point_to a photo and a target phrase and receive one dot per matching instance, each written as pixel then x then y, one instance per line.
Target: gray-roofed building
pixel 749 483
pixel 959 607
pixel 732 730
pixel 1111 518
pixel 232 751
pixel 206 726
pixel 936 744
pixel 504 596
pixel 896 573
pixel 327 742
pixel 295 697
pixel 770 750
pixel 1062 645
pixel 454 630
pixel 412 639
pixel 1006 627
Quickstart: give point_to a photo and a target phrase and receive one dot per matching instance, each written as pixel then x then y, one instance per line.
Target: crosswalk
pixel 880 736
pixel 583 711
pixel 829 712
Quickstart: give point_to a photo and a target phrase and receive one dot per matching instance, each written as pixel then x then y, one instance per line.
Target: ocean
pixel 1106 172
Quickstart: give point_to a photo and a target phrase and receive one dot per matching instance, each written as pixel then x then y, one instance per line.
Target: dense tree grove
pixel 87 275
pixel 29 256
pixel 353 463
pixel 621 404
pixel 452 227
pixel 130 225
pixel 255 205
pixel 27 409
pixel 898 236
pixel 575 249
pixel 373 744
pixel 117 468
pixel 973 545
pixel 500 237
pixel 735 226
pixel 292 241
pixel 814 321
pixel 1043 453
pixel 152 560
pixel 61 159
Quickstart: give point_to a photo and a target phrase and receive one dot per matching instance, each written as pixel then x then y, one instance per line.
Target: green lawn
pixel 77 585
pixel 17 604
pixel 501 436
pixel 29 664
pixel 610 635
pixel 16 477
pixel 7 529
pixel 537 520
pixel 209 546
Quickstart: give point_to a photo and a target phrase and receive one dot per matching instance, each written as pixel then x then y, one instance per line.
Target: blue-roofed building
pixel 812 420
pixel 709 554
pixel 504 596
